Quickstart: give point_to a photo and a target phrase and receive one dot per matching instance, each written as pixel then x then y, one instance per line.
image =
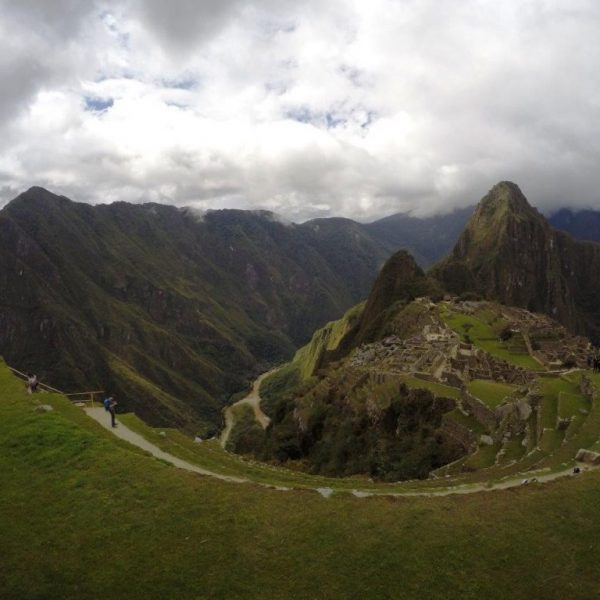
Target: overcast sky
pixel 309 108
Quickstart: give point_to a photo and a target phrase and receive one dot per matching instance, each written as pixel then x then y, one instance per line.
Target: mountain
pixel 399 282
pixel 170 310
pixel 582 224
pixel 413 385
pixel 508 252
pixel 428 239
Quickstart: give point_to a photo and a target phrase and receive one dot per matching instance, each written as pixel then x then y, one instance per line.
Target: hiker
pixel 111 409
pixel 106 402
pixel 32 383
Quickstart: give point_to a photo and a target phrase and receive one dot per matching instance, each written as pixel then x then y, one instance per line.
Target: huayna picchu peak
pixel 508 252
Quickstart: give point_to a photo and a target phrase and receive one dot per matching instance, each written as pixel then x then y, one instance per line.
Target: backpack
pixel 106 403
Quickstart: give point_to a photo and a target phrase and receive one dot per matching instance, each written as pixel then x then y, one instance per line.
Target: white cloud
pixel 353 108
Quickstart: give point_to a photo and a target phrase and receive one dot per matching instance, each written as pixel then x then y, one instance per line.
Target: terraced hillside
pixel 75 497
pixel 475 386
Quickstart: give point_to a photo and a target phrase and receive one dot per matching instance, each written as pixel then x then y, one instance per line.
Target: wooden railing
pixel 74 397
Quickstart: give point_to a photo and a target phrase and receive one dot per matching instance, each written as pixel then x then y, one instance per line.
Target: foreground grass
pixel 85 516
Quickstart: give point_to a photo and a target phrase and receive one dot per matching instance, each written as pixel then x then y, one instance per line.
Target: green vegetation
pixel 467 421
pixel 491 393
pixel 73 495
pixel 483 330
pixel 513 449
pixel 561 398
pixel 551 440
pixel 347 425
pixel 570 404
pixel 170 312
pixel 483 458
pixel 439 389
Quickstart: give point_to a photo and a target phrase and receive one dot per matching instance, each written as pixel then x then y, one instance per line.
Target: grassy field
pixel 484 333
pixel 83 515
pixel 439 389
pixel 490 393
pixel 561 398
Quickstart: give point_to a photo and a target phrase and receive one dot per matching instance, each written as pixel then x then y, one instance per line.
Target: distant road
pixel 253 400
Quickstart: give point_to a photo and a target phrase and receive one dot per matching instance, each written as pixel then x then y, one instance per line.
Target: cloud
pixel 308 109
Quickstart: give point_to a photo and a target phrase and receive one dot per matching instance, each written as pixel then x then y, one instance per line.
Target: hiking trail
pixel 253 399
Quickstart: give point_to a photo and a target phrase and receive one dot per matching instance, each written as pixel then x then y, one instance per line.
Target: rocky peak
pixel 509 252
pixel 505 198
pixel 400 280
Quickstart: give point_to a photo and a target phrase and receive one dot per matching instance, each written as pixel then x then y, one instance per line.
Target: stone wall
pixel 480 411
pixel 463 435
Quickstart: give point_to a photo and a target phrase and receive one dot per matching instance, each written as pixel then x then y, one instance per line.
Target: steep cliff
pixel 508 252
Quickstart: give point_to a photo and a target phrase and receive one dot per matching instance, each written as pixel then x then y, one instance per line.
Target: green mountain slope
pixel 418 380
pixel 428 239
pixel 170 310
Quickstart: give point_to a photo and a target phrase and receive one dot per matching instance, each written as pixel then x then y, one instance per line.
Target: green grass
pixel 561 398
pixel 484 457
pixel 485 335
pixel 513 449
pixel 570 404
pixel 469 421
pixel 83 515
pixel 439 389
pixel 551 440
pixel 490 393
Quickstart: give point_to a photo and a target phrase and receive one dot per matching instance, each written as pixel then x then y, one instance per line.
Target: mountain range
pixel 174 311
pixel 453 366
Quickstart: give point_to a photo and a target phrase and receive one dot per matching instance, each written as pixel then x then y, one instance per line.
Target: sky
pixel 355 108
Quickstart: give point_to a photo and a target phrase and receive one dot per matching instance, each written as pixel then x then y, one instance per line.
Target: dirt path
pixel 253 400
pixel 123 432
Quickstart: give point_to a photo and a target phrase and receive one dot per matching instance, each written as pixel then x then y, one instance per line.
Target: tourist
pixel 32 383
pixel 111 409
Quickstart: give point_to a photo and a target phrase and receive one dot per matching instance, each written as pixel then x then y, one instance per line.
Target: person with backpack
pixel 111 409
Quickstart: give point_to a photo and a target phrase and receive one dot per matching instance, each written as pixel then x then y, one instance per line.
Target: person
pixel 111 409
pixel 29 380
pixel 32 383
pixel 106 402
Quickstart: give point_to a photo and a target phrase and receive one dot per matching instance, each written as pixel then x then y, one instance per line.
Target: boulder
pixel 487 440
pixel 524 409
pixel 44 408
pixel 588 456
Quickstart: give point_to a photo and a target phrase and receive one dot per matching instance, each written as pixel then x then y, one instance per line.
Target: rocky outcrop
pixel 588 456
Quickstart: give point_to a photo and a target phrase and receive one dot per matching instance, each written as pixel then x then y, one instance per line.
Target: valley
pixel 427 407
